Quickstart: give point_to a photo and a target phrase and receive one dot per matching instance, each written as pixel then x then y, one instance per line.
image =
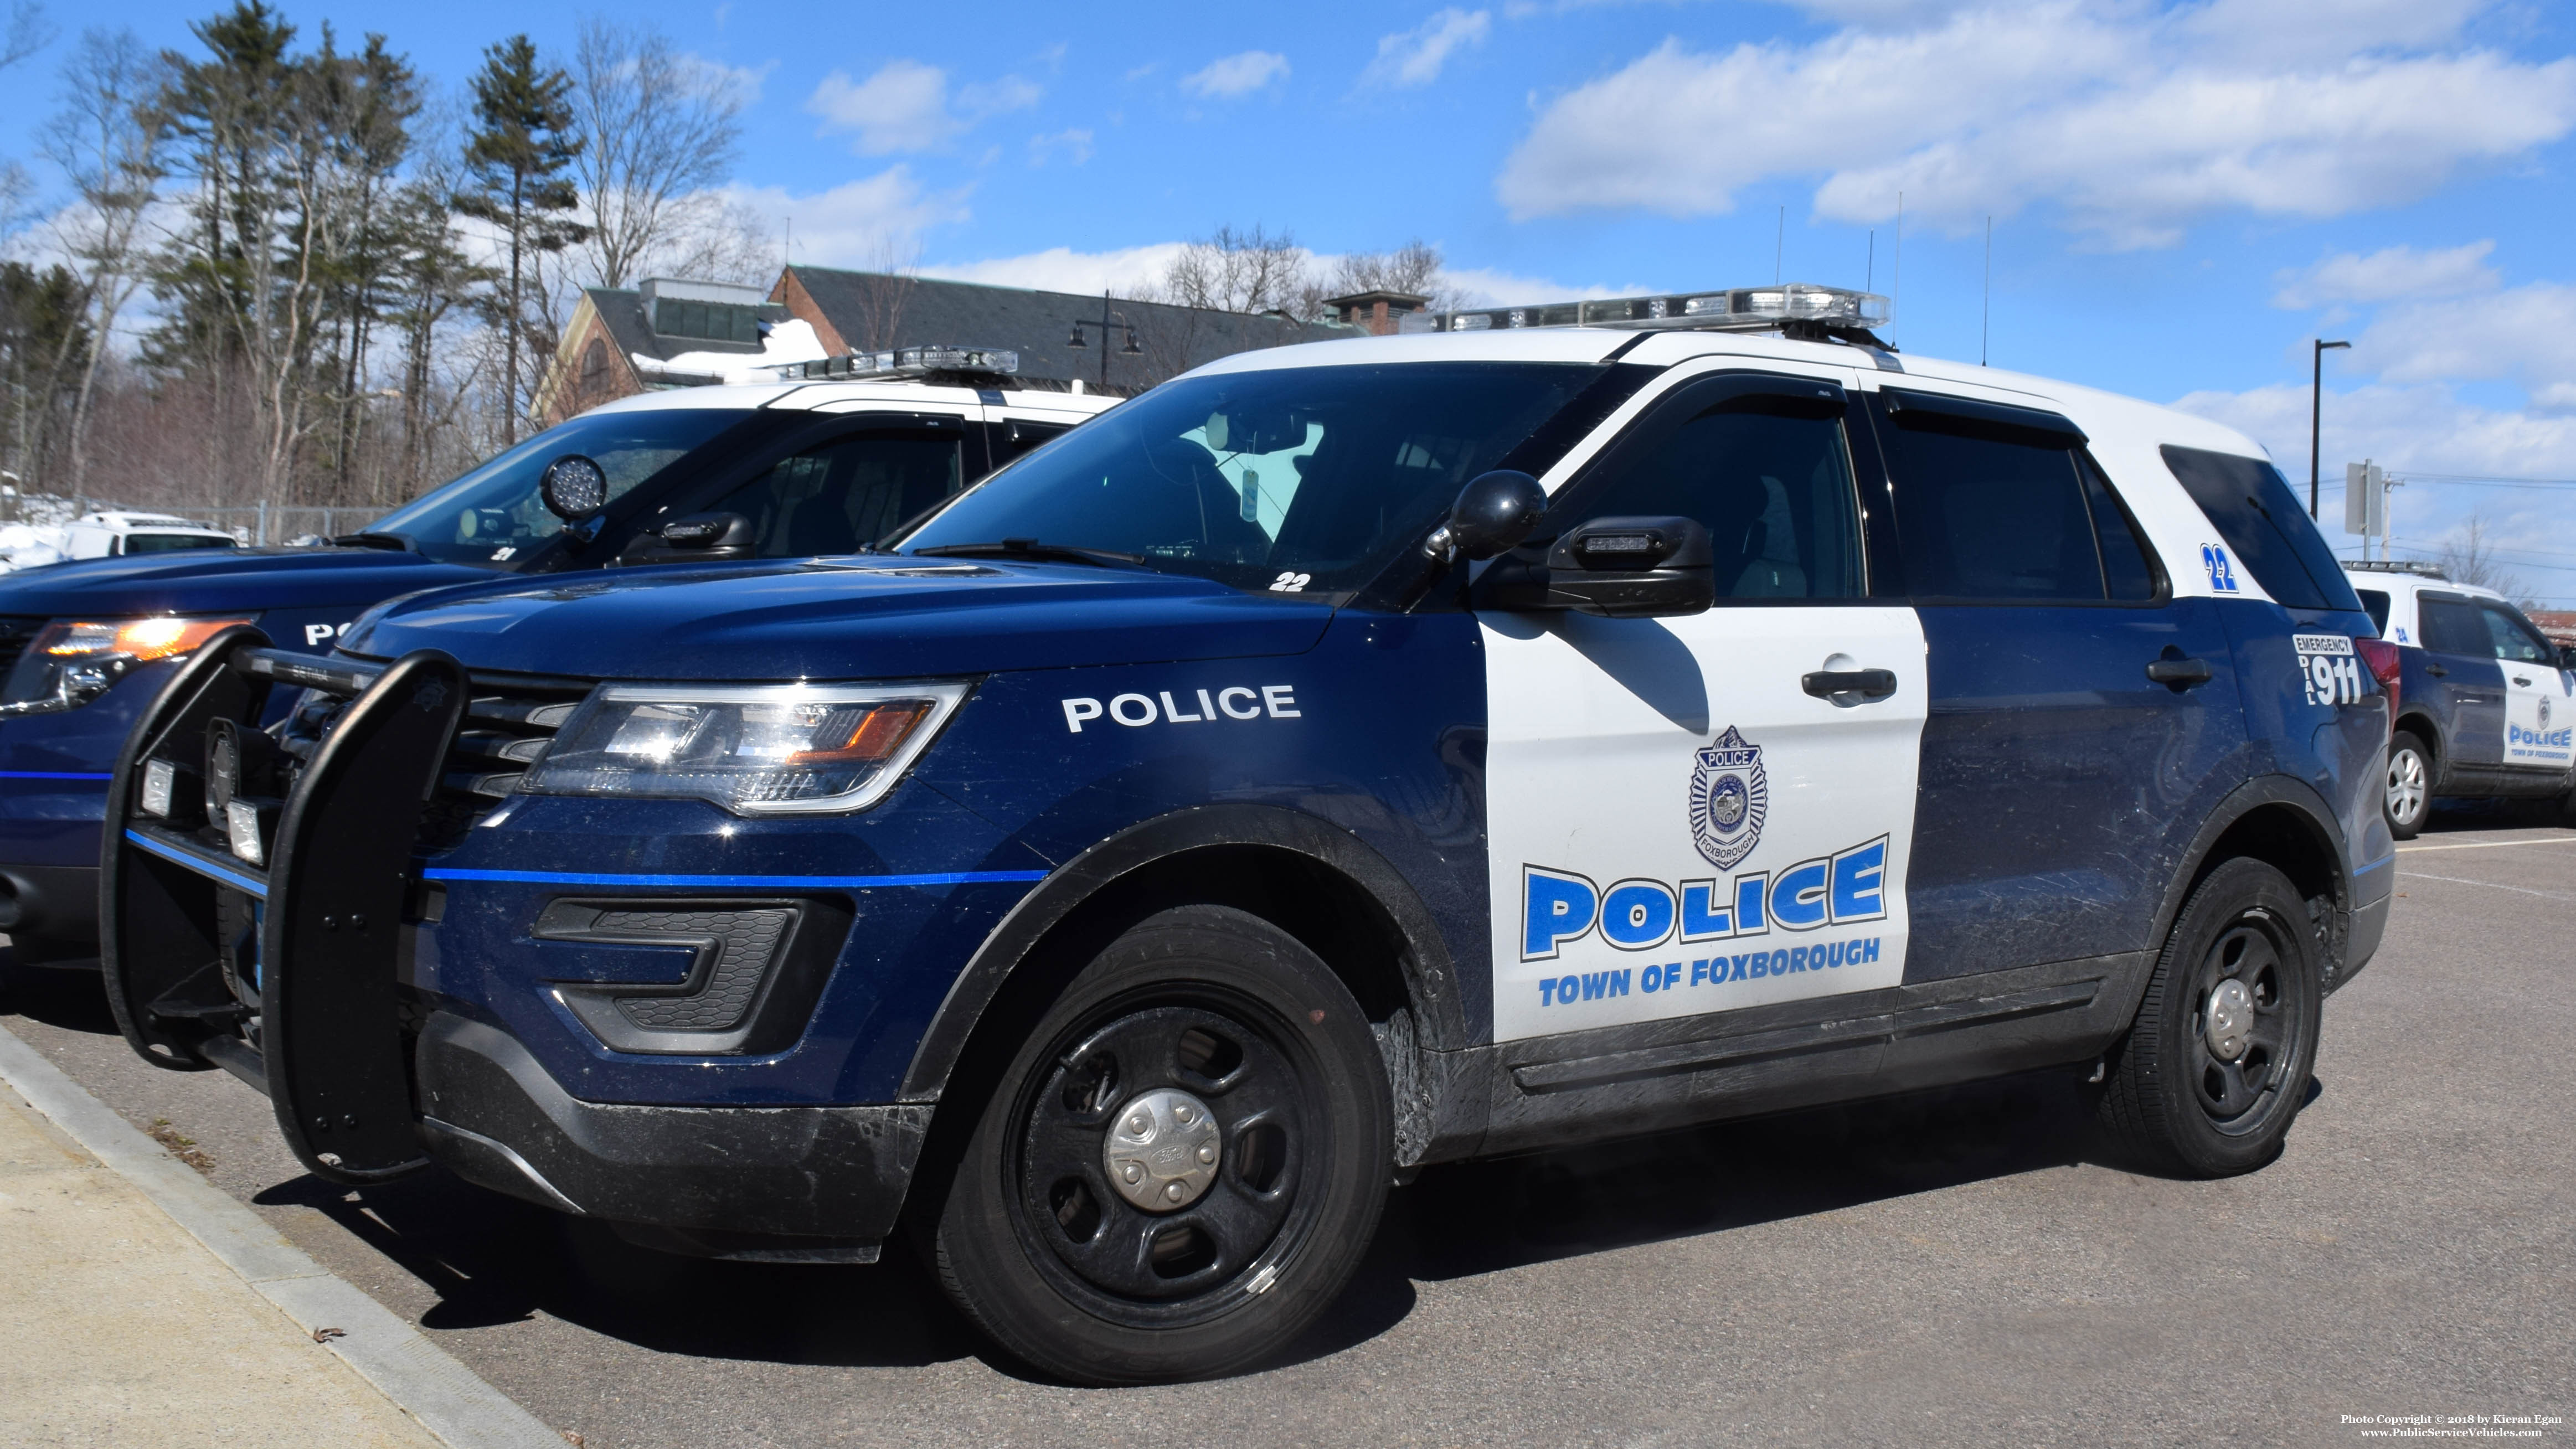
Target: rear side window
pixel 2008 514
pixel 2450 625
pixel 2376 604
pixel 2262 523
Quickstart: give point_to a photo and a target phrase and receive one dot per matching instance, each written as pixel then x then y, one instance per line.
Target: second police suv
pixel 1343 758
pixel 776 470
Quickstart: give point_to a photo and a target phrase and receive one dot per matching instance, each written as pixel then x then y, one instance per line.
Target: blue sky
pixel 2182 195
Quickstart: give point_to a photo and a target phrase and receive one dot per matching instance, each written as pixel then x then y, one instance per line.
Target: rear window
pixel 2376 604
pixel 2262 523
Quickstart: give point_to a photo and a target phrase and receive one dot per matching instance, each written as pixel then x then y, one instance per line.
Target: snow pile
pixel 787 342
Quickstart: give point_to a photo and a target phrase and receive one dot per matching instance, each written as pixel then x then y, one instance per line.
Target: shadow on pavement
pixel 69 997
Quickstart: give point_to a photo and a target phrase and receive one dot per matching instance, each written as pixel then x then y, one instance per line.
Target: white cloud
pixel 2387 275
pixel 739 83
pixel 1062 269
pixel 1415 57
pixel 1493 287
pixel 2132 121
pixel 865 224
pixel 1073 146
pixel 1237 75
pixel 2526 334
pixel 905 106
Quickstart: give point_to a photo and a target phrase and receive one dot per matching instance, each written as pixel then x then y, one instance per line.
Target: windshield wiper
pixel 1030 548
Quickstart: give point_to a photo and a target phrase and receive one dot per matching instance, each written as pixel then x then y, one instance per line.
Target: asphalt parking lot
pixel 1952 1268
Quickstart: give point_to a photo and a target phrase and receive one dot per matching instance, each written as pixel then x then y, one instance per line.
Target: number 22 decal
pixel 1291 582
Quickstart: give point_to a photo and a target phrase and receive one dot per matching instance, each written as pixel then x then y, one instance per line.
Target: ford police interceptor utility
pixel 766 471
pixel 1343 758
pixel 2486 705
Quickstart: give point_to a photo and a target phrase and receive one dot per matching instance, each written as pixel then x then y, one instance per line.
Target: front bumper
pixel 826 1180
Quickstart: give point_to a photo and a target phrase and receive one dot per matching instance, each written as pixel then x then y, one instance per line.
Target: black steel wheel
pixel 2409 799
pixel 1181 1166
pixel 2217 1064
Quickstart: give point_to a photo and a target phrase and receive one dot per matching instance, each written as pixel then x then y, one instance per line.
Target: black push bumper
pixel 793 1183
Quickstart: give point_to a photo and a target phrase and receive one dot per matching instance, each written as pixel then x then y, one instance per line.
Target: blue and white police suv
pixel 1343 758
pixel 833 454
pixel 2485 704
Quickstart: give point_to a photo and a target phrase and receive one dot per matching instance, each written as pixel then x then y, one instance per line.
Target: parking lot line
pixel 2491 885
pixel 2490 844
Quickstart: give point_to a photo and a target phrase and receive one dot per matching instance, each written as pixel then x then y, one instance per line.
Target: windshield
pixel 1302 479
pixel 493 515
pixel 164 542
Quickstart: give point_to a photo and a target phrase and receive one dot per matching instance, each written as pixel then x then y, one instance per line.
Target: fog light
pixel 246 823
pixel 160 778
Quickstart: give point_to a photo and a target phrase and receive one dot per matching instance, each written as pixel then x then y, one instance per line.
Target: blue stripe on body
pixel 737 882
pixel 198 863
pixel 53 775
pixel 2361 870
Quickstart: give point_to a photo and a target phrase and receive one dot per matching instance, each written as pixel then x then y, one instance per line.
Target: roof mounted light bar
pixel 905 362
pixel 2398 566
pixel 1794 307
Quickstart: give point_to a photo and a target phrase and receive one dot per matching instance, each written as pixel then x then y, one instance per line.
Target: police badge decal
pixel 1729 799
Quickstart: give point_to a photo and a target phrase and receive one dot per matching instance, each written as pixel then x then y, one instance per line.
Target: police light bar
pixel 1739 309
pixel 907 362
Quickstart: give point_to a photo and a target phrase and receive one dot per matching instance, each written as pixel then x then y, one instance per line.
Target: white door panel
pixel 1644 864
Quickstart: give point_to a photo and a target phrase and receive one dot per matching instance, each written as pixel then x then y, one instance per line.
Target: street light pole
pixel 1106 326
pixel 2316 415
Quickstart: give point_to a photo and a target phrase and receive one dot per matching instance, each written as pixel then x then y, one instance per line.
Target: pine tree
pixel 515 161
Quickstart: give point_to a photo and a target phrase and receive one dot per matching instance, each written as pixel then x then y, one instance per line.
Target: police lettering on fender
pixel 1234 702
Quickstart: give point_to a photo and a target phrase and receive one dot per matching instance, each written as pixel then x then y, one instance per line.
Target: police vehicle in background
pixel 2486 705
pixel 1342 758
pixel 801 467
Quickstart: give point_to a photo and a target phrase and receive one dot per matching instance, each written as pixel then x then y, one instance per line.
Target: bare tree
pixel 1413 268
pixel 1234 270
pixel 2470 558
pixel 107 140
pixel 28 32
pixel 662 132
pixel 884 288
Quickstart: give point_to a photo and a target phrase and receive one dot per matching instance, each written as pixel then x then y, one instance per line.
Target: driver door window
pixel 1771 479
pixel 846 494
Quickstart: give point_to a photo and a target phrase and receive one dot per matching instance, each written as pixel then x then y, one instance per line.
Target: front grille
pixel 507 727
pixel 16 632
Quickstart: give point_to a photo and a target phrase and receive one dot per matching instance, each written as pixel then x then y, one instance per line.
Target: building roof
pixel 627 314
pixel 871 311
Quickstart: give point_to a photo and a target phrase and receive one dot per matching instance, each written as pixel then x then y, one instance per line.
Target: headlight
pixel 779 750
pixel 73 661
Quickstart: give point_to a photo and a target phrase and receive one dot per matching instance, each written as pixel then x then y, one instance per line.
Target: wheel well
pixel 2290 841
pixel 2422 728
pixel 1328 912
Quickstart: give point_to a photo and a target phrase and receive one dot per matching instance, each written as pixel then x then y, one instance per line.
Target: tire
pixel 1045 1253
pixel 2408 798
pixel 2172 1099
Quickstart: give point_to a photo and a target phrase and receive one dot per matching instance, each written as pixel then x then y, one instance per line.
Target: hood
pixel 889 618
pixel 226 580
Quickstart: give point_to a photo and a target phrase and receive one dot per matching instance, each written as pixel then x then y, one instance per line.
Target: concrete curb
pixel 418 1376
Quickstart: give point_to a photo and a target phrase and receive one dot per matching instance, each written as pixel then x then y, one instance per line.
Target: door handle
pixel 1867 683
pixel 2437 671
pixel 2179 673
pixel 2525 683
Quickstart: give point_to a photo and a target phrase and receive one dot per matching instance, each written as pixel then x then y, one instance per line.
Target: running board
pixel 1722 1051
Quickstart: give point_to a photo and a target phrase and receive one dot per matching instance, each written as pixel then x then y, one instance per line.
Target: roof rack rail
pixel 906 363
pixel 1804 310
pixel 2397 566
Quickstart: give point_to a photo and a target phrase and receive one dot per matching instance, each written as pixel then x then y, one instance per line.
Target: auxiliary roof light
pixel 1739 309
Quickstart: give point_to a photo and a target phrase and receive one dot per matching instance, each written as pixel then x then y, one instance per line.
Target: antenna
pixel 1869 273
pixel 1896 289
pixel 1780 246
pixel 1986 312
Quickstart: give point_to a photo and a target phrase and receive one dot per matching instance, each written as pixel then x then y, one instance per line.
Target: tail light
pixel 2381 658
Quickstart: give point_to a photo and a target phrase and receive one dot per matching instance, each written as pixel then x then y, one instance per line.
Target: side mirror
pixel 2567 656
pixel 1619 568
pixel 573 487
pixel 1494 512
pixel 694 538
